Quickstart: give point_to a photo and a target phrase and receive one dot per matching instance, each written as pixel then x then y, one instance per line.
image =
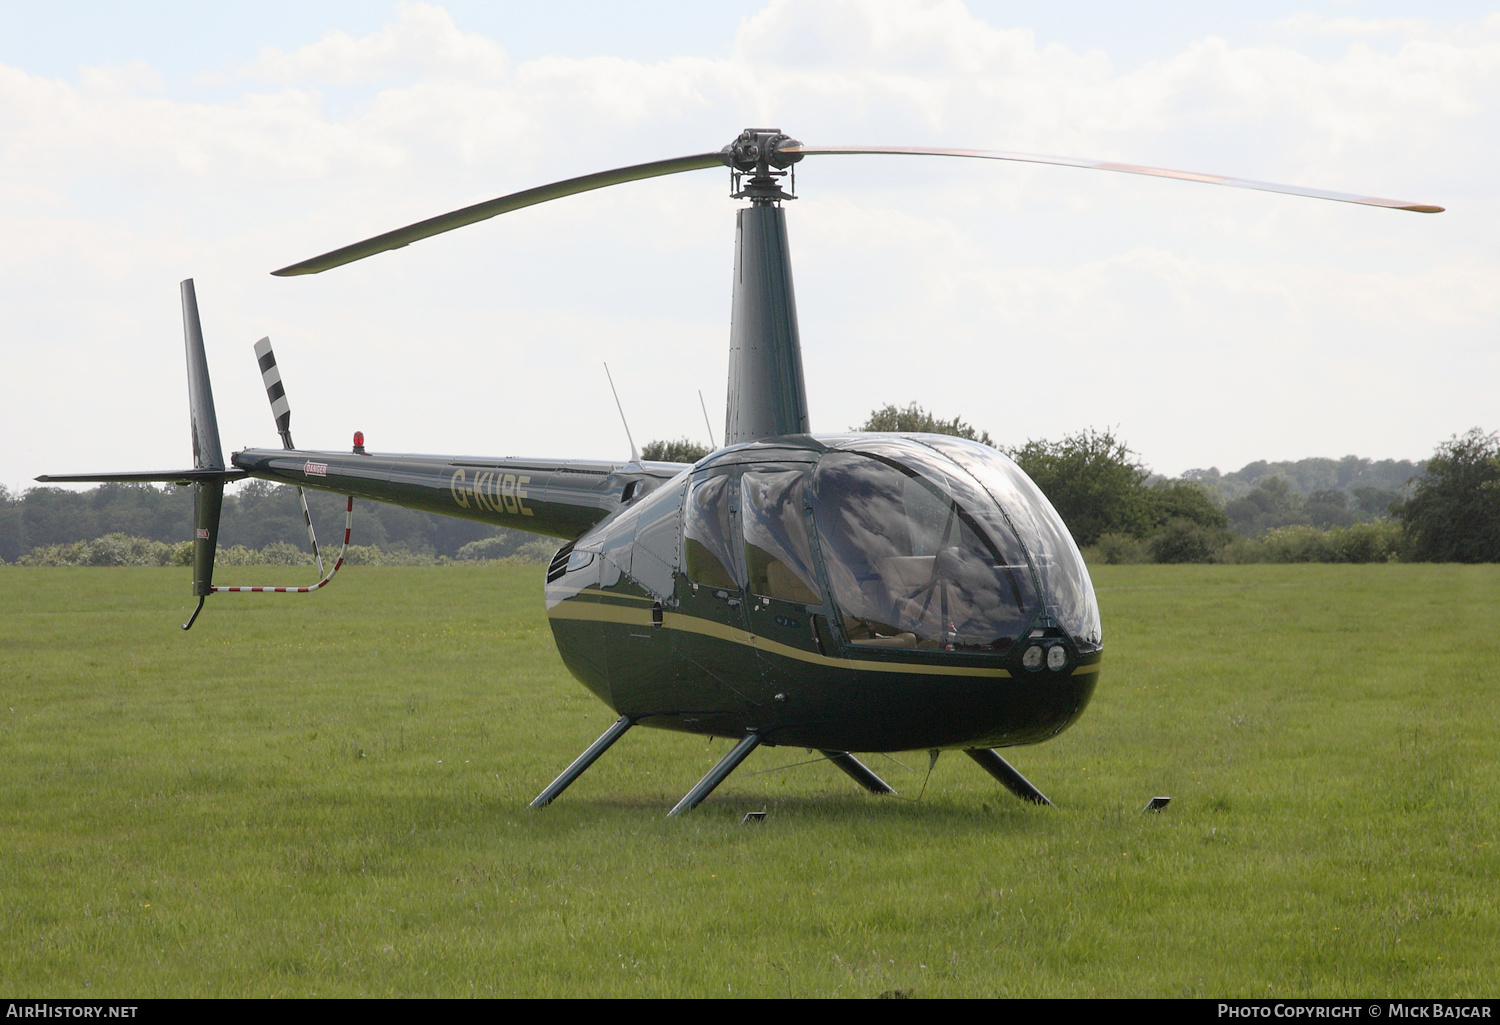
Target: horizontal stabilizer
pixel 146 476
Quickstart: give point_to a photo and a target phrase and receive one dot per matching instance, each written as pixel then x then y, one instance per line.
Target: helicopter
pixel 839 592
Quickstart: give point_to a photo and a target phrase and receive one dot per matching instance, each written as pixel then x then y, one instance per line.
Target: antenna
pixel 635 455
pixel 711 443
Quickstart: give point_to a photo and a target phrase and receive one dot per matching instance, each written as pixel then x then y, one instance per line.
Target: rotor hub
pixel 756 152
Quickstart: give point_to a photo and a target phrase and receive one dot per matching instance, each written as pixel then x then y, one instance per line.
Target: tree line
pixel 256 514
pixel 1350 510
pixel 1315 510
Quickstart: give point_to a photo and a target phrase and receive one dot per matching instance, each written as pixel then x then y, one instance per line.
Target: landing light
pixel 1057 657
pixel 1033 658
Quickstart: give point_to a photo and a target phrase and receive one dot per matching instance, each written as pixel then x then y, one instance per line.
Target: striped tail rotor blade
pixel 311 535
pixel 281 409
pixel 270 375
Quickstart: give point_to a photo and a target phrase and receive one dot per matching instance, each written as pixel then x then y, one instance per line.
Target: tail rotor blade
pixel 281 409
pixel 270 374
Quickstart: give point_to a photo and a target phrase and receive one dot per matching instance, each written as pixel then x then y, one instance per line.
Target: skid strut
pixel 716 775
pixel 582 762
pixel 1002 770
pixel 859 772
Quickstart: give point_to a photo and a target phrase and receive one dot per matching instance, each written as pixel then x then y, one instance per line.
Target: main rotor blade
pixel 1098 165
pixel 493 207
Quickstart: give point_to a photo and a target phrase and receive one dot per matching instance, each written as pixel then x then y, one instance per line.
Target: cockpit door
pixel 783 595
pixel 713 631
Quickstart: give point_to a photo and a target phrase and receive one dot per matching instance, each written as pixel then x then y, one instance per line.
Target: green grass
pixel 326 795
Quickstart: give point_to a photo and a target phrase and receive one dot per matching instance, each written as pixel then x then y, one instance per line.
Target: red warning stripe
pixel 348 528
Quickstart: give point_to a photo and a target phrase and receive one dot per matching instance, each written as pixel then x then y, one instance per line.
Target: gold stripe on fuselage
pixel 601 612
pixel 614 594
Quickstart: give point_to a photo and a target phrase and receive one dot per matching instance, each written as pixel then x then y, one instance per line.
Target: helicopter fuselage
pixel 857 592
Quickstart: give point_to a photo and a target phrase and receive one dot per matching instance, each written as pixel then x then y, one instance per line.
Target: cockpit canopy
pixel 926 542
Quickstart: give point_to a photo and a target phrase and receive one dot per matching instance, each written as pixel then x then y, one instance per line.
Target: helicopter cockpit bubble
pixel 935 546
pixel 916 556
pixel 1059 564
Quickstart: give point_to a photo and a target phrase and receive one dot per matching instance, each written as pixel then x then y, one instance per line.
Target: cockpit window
pixel 707 551
pixel 1064 577
pixel 910 563
pixel 777 553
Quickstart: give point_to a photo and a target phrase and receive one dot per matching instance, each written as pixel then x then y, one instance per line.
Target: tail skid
pixel 348 526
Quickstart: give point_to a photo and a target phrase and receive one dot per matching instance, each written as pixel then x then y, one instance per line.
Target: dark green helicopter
pixel 846 592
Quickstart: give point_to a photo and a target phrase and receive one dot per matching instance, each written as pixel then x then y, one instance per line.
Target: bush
pixel 539 551
pixel 1299 544
pixel 284 553
pixel 489 549
pixel 1183 540
pixel 109 550
pixel 1363 542
pixel 1370 542
pixel 1123 549
pixel 237 555
pixel 498 549
pixel 370 555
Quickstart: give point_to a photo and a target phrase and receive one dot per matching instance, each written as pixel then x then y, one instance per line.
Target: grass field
pixel 326 795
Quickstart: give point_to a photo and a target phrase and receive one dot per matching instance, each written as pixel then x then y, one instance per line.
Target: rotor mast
pixel 767 392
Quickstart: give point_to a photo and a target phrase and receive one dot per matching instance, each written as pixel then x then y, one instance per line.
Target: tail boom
pixel 557 498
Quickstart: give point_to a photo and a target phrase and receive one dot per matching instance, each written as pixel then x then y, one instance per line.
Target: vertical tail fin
pixel 207 455
pixel 208 496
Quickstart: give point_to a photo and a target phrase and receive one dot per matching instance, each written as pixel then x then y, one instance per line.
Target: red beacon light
pixel 359 443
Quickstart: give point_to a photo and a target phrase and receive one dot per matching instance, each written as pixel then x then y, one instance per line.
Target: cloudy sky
pixel 1207 326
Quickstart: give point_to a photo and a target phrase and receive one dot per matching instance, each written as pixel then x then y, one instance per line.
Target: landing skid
pixel 851 766
pixel 1002 770
pixel 582 762
pixel 716 775
pixel 859 772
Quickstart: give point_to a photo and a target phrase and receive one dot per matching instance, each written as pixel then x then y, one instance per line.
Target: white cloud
pixel 423 40
pixel 1149 295
pixel 1309 22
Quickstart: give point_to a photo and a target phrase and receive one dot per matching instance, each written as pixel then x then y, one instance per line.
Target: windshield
pixel 919 559
pixel 1059 564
